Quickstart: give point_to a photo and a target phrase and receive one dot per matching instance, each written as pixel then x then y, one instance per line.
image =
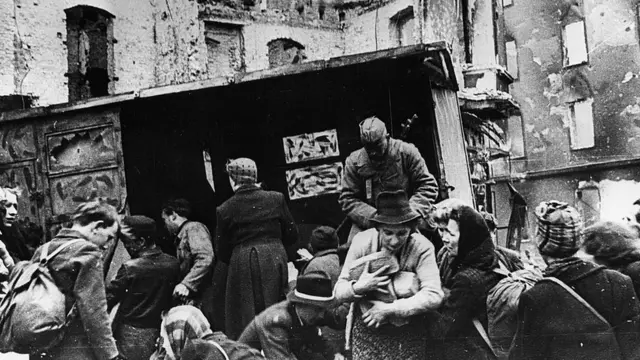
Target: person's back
pixel 579 310
pixel 150 282
pixel 78 272
pixel 263 221
pixel 556 326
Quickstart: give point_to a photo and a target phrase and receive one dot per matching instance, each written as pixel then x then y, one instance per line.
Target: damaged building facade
pixel 574 65
pixel 76 49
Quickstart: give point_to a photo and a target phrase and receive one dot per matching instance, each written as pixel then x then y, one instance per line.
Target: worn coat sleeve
pixel 117 288
pixel 352 195
pixel 343 291
pixel 425 186
pixel 274 340
pixel 288 224
pixel 91 302
pixel 430 295
pixel 202 253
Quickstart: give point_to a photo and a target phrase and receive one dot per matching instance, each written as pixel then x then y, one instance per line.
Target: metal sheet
pixel 70 191
pixel 81 149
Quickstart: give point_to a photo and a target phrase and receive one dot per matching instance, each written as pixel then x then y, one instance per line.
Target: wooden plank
pixel 312 66
pixel 454 154
pixel 64 108
pixel 186 87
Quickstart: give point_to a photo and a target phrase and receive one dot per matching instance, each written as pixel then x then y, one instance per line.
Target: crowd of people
pixel 420 279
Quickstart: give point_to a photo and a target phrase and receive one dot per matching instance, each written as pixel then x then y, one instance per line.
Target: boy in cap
pixel 571 312
pixel 383 164
pixel 287 330
pixel 143 287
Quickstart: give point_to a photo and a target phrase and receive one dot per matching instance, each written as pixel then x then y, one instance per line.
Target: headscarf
pixel 179 325
pixel 559 227
pixel 475 247
pixel 243 171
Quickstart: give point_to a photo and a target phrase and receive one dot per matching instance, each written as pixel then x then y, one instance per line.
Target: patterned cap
pixel 372 129
pixel 559 229
pixel 243 171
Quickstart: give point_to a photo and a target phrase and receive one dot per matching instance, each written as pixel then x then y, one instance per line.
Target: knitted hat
pixel 139 226
pixel 372 129
pixel 559 228
pixel 243 171
pixel 323 238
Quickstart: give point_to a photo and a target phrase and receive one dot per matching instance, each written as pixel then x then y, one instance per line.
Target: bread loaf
pixel 376 261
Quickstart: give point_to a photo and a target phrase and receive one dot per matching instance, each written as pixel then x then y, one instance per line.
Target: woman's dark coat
pixel 472 278
pixel 253 228
pixel 553 326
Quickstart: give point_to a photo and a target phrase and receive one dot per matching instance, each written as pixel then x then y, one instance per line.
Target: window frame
pixel 574 125
pixel 565 48
pixel 515 74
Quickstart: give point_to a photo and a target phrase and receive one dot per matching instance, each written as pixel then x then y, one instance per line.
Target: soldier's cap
pixel 372 129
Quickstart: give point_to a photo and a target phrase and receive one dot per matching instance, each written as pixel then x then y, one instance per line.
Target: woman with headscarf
pixel 185 335
pixel 387 312
pixel 253 228
pixel 616 246
pixel 473 260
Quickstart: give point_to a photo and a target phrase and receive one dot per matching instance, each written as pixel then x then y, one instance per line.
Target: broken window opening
pixel 574 44
pixel 285 52
pixel 506 3
pixel 512 58
pixel 89 52
pixel 225 49
pixel 402 27
pixel 581 132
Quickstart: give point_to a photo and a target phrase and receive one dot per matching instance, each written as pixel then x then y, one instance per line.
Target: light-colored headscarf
pixel 243 171
pixel 180 324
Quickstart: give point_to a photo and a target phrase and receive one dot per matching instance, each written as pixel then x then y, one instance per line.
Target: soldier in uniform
pixel 383 164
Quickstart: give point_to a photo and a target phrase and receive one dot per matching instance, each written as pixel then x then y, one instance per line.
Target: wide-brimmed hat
pixel 313 288
pixel 393 208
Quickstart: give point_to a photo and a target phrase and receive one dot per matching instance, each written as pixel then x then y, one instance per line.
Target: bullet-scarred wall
pixel 155 43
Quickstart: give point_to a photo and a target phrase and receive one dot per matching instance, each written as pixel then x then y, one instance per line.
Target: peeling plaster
pixel 612 25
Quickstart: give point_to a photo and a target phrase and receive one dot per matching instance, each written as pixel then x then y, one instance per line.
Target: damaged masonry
pixel 169 110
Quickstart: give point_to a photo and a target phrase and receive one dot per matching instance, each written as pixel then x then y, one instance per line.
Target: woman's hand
pixel 377 315
pixel 370 281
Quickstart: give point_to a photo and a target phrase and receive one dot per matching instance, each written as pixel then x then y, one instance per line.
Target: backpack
pixel 502 308
pixel 33 314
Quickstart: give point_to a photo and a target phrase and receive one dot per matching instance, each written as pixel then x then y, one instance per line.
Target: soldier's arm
pixel 425 186
pixel 351 195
